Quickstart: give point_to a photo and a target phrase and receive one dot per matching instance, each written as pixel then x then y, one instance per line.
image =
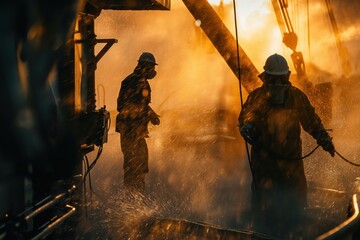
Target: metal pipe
pixel 46 199
pixel 47 205
pixel 52 226
pixel 347 227
pixel 224 42
pixel 44 207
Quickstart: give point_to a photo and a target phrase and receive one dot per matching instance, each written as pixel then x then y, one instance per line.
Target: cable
pixel 237 52
pixel 346 160
pixel 88 169
pixel 93 163
pixel 83 183
pixel 239 77
pixel 299 158
pixel 307 155
pixel 90 184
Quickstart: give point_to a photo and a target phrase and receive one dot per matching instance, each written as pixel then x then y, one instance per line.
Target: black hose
pixel 239 77
pixel 346 160
pixel 295 159
pixel 307 155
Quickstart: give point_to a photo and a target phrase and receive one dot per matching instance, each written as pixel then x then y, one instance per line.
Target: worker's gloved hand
pixel 155 120
pixel 247 131
pixel 153 117
pixel 328 145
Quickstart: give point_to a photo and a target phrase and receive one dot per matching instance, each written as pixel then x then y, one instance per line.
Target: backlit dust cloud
pixel 196 154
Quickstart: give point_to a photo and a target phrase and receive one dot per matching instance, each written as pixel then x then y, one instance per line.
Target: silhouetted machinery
pixel 50 119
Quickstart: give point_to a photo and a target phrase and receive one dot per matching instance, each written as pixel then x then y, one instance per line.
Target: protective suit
pixel 132 121
pixel 271 121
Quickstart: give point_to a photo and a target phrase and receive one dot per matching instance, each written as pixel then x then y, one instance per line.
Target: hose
pixel 307 155
pixel 346 160
pixel 239 77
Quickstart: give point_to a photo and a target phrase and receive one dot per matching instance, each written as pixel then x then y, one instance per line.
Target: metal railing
pixel 348 227
pixel 18 225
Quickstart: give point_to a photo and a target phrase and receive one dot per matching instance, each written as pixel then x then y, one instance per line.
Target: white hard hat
pixel 276 65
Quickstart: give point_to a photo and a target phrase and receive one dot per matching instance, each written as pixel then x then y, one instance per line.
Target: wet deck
pixel 192 180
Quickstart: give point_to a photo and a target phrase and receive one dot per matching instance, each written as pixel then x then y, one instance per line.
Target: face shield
pixel 150 73
pixel 277 88
pixel 146 70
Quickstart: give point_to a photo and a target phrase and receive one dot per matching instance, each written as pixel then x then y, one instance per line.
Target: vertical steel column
pixel 66 80
pixel 86 26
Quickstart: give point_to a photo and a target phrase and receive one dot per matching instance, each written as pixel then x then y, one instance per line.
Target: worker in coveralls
pixel 132 121
pixel 270 121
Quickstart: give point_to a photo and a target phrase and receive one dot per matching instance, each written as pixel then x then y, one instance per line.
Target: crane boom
pixel 290 38
pixel 224 42
pixel 343 53
pixel 320 93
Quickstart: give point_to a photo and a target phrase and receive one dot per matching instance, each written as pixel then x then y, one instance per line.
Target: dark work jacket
pixel 133 105
pixel 277 148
